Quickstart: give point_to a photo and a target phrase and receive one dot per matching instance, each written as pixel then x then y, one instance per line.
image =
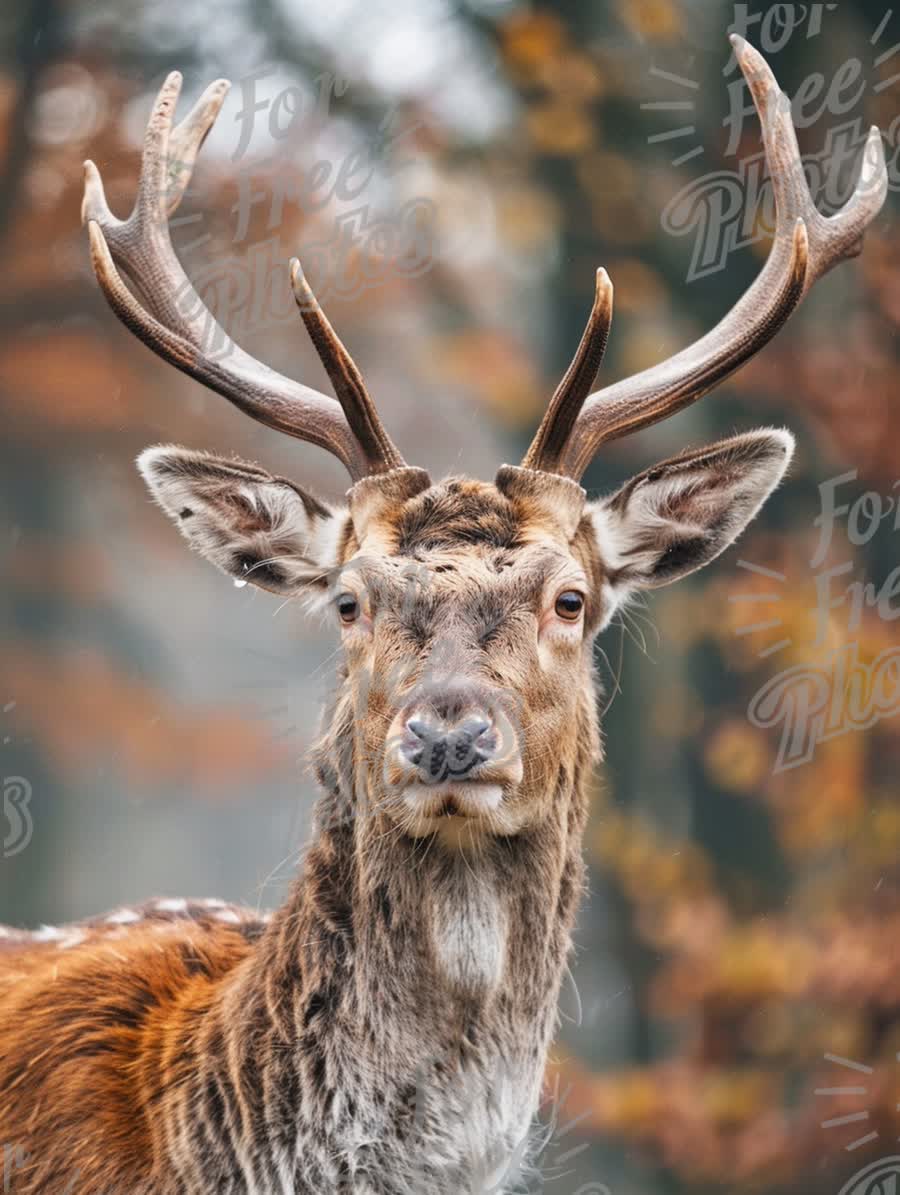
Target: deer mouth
pixel 467 799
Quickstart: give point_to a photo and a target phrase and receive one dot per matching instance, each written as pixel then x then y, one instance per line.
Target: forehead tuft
pixel 456 512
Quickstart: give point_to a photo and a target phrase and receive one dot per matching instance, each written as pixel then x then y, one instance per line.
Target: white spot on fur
pixel 229 916
pixel 172 904
pixel 74 938
pixel 48 933
pixel 469 931
pixel 123 917
pixel 325 538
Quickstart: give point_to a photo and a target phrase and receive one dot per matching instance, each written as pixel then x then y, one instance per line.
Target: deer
pixel 387 1029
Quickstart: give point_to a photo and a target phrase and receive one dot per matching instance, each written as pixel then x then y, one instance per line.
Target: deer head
pixel 467 609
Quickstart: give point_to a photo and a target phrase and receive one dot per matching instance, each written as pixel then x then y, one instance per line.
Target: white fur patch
pixel 48 933
pixel 325 537
pixel 227 915
pixel 123 917
pixel 73 938
pixel 469 932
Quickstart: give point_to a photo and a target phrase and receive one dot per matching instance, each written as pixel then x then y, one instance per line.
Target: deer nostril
pixel 425 747
pixel 475 728
pixel 417 727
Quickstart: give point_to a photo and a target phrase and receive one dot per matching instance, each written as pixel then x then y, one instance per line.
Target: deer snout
pixel 444 752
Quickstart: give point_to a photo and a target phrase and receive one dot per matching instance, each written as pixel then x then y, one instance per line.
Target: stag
pixel 386 1030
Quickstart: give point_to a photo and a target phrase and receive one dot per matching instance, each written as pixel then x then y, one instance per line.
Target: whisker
pixel 617 679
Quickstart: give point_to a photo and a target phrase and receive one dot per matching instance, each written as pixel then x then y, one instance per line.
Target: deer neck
pixel 428 978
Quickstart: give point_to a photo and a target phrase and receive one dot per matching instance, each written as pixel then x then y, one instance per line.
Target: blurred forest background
pixel 743 921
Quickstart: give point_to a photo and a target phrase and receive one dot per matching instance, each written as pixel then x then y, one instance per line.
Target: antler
pixel 557 424
pixel 177 325
pixel 806 245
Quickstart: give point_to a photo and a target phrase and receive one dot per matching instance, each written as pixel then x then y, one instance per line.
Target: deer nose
pixel 442 752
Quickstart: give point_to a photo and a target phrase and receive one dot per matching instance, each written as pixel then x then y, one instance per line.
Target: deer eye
pixel 569 605
pixel 348 607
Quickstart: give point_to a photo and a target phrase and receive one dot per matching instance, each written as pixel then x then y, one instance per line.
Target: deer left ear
pixel 255 527
pixel 674 518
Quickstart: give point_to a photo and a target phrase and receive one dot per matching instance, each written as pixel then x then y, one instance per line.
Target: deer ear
pixel 679 515
pixel 253 526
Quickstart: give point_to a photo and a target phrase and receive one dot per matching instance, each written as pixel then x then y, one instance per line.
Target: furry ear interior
pixel 678 516
pixel 254 526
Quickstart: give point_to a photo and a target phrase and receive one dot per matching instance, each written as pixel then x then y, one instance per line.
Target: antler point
pixel 298 278
pixel 94 199
pixel 168 95
pixel 603 291
pixel 304 295
pixel 875 141
pixel 216 93
pixel 753 65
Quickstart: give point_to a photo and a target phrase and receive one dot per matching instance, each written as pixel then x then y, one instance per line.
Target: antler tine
pixel 566 403
pixel 187 138
pixel 174 321
pixel 806 245
pixel 151 203
pixel 167 163
pixel 345 377
pixel 832 239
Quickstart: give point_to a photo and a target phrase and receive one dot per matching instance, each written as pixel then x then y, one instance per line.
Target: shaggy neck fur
pixel 416 988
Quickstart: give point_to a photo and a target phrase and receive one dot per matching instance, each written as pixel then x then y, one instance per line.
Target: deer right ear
pixel 254 526
pixel 678 516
